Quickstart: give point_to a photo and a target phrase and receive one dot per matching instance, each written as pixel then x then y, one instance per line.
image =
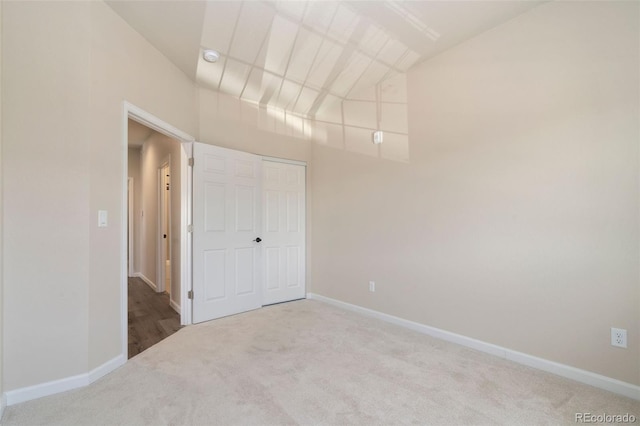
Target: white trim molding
pixel 106 368
pixel 149 120
pixel 174 305
pixel 285 161
pixel 587 377
pixel 56 386
pixel 186 196
pixel 150 283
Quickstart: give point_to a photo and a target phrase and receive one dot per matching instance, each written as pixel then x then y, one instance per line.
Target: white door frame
pixel 130 111
pixel 161 254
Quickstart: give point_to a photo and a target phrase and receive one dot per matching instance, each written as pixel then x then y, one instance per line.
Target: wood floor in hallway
pixel 151 319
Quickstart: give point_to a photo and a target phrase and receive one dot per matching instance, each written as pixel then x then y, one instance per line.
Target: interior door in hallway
pixel 227 261
pixel 284 232
pixel 164 239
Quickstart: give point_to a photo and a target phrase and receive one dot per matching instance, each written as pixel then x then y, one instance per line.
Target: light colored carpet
pixel 309 363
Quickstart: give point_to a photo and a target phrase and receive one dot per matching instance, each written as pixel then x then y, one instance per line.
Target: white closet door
pixel 227 261
pixel 284 232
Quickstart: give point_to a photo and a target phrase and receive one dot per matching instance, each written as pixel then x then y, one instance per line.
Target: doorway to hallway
pixel 154 283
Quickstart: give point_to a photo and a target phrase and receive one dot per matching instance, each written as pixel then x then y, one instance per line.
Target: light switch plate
pixel 102 218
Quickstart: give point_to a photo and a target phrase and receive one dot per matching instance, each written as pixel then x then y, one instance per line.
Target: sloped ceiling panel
pixel 305 56
pixel 173 27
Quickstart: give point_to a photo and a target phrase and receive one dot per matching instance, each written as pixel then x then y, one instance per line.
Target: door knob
pixel 257 240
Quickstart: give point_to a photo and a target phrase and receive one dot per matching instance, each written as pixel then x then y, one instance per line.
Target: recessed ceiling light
pixel 210 55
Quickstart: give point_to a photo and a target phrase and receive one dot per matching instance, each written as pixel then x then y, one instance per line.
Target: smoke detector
pixel 377 136
pixel 210 56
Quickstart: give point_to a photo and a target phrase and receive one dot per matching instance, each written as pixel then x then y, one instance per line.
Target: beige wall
pixel 134 161
pixel 516 220
pixel 154 152
pixel 47 185
pixel 62 162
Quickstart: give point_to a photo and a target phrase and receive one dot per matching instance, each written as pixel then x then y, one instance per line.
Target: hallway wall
pixel 154 151
pixel 134 162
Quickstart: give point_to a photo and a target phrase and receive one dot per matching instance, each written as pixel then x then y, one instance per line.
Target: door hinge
pixel 191 161
pixel 190 294
pixel 189 228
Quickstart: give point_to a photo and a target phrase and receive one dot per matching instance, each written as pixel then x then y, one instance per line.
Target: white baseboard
pixel 146 280
pixel 603 382
pixel 174 305
pixel 56 386
pixel 106 368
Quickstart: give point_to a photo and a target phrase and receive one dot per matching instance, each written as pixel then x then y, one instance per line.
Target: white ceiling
pixel 305 56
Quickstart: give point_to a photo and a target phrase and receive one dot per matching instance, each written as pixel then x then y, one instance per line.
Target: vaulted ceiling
pixel 305 56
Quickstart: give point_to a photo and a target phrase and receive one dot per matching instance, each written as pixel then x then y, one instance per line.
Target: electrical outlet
pixel 372 286
pixel 619 337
